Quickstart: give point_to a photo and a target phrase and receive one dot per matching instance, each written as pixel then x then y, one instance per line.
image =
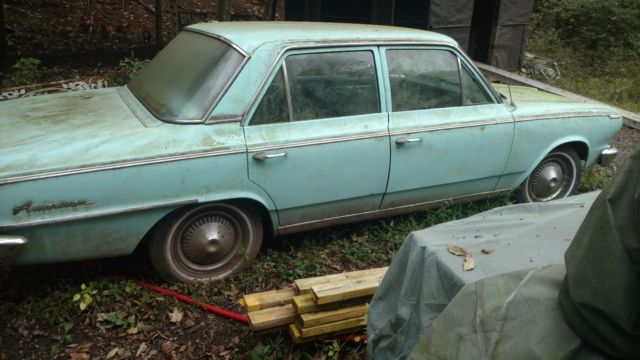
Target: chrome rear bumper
pixel 9 247
pixel 607 155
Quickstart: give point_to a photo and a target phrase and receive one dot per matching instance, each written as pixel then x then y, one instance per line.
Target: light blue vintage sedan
pixel 239 129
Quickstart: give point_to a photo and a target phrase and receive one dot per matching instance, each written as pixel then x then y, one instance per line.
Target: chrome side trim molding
pixel 12 240
pixel 319 141
pixel 560 116
pixel 9 247
pixel 121 165
pixel 99 214
pixel 369 215
pixel 451 126
pixel 223 119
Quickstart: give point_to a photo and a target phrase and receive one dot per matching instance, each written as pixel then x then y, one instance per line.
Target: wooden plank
pixel 325 317
pixel 495 74
pixel 304 285
pixel 268 299
pixel 296 336
pixel 346 290
pixel 342 325
pixel 272 317
pixel 305 304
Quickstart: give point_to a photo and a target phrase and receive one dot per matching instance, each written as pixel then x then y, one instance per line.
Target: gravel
pixel 627 141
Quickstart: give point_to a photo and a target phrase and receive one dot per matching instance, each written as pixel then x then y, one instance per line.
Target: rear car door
pixel 450 136
pixel 318 137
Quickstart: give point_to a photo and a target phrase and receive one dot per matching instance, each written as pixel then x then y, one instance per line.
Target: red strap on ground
pixel 188 300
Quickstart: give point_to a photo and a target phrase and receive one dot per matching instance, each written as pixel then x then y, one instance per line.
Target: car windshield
pixel 186 77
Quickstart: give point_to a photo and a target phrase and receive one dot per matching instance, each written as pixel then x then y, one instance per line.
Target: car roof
pixel 249 35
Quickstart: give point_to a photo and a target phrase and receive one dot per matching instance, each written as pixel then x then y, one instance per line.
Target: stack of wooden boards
pixel 315 307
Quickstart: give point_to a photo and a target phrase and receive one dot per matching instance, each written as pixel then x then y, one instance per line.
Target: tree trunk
pixel 4 58
pixel 159 24
pixel 223 10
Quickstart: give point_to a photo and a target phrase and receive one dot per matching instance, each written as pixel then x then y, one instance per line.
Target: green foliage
pixel 24 71
pixel 595 178
pixel 600 25
pixel 596 43
pixel 85 297
pixel 273 349
pixel 132 65
pixel 332 350
pixel 61 339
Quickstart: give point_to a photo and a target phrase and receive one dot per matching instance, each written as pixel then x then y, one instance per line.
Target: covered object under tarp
pixel 424 277
pixel 534 311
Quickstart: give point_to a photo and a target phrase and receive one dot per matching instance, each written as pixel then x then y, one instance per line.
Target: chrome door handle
pixel 404 140
pixel 265 156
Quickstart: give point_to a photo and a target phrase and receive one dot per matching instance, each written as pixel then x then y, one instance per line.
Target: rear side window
pixel 321 85
pixel 430 79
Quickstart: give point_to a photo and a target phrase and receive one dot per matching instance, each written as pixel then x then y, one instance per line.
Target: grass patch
pixel 606 72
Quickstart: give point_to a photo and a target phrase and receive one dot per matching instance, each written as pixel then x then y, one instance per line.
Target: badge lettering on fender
pixel 28 207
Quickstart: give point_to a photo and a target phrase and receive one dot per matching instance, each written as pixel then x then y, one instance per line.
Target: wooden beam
pixel 296 336
pixel 159 24
pixel 271 317
pixel 268 299
pixel 304 285
pixel 342 325
pixel 325 317
pixel 305 304
pixel 4 45
pixel 346 289
pixel 495 74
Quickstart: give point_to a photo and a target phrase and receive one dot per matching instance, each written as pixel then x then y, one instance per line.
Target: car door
pixel 450 136
pixel 318 138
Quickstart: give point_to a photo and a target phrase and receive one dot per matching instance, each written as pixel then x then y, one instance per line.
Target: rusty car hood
pixel 531 102
pixel 58 132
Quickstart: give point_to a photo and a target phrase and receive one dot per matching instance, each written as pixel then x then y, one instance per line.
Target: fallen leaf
pixel 133 330
pixel 123 353
pixel 167 347
pixel 487 251
pixel 456 250
pixel 79 356
pixel 232 292
pixel 469 261
pixel 112 353
pixel 176 316
pixel 142 349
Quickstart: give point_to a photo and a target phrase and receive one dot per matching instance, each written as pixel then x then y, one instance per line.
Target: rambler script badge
pixel 28 206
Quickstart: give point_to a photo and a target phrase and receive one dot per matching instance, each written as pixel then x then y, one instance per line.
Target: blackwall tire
pixel 205 243
pixel 556 177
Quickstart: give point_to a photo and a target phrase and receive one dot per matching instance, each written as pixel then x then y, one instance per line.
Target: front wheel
pixel 206 243
pixel 556 177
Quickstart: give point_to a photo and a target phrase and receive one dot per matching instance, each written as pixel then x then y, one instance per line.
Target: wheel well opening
pixel 247 204
pixel 581 149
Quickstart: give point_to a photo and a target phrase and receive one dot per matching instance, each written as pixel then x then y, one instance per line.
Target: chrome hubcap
pixel 550 180
pixel 208 240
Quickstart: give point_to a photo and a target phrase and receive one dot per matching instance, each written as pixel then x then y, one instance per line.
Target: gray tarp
pixel 594 313
pixel 424 276
pixel 600 296
pixel 505 317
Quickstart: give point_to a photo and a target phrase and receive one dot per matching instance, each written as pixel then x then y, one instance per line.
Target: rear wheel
pixel 556 177
pixel 207 242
